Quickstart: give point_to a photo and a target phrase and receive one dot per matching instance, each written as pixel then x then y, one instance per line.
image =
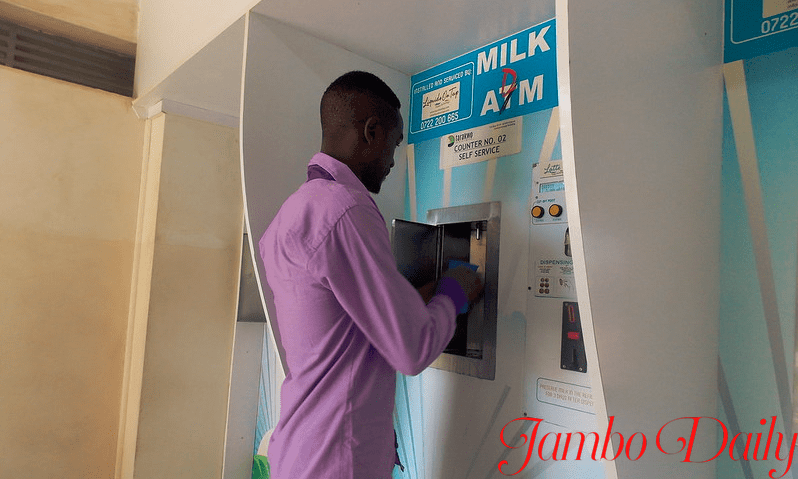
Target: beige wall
pixel 107 23
pixel 69 185
pixel 190 326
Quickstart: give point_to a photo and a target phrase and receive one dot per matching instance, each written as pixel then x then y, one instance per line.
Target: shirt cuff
pixel 451 288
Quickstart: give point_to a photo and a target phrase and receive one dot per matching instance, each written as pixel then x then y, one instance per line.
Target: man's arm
pixel 356 263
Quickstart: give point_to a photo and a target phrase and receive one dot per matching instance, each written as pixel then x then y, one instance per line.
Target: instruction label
pixel 567 395
pixel 481 144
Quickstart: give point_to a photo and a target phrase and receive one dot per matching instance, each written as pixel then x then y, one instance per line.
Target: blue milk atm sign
pixel 508 78
pixel 757 27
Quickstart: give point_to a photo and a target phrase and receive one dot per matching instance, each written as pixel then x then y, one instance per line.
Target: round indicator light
pixel 537 212
pixel 555 210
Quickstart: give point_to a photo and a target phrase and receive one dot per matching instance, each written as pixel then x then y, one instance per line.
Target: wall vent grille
pixel 65 59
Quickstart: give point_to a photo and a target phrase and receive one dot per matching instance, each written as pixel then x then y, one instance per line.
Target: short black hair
pixel 367 83
pixel 342 91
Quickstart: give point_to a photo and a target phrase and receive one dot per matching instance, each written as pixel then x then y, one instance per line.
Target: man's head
pixel 361 126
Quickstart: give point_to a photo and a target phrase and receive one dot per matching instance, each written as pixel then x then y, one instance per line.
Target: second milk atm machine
pixel 559 389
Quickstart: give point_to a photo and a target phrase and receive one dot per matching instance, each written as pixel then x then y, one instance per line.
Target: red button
pixel 573 335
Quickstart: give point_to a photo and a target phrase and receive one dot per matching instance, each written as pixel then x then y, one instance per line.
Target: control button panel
pixel 552 273
pixel 560 286
pixel 547 199
pixel 544 286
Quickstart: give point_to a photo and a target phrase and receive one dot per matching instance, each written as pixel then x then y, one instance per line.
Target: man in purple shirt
pixel 348 320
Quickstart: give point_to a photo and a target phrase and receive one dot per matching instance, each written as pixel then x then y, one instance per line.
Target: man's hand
pixel 468 280
pixel 427 291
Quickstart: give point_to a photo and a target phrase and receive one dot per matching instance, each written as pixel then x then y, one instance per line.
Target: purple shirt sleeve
pixel 356 263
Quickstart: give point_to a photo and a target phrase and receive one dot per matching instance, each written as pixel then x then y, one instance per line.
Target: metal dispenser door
pixel 423 252
pixel 416 248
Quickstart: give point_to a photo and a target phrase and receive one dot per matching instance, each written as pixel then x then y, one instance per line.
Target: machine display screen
pixel 553 186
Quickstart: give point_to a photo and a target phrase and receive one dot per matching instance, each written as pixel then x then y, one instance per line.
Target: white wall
pixel 171 32
pixel 640 94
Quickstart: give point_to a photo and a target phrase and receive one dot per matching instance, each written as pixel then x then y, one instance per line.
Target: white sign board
pixel 776 7
pixel 441 101
pixel 481 143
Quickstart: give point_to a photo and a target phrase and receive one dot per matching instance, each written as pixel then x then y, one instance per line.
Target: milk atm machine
pixel 559 389
pixel 482 138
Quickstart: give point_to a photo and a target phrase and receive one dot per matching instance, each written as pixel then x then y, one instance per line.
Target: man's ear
pixel 370 129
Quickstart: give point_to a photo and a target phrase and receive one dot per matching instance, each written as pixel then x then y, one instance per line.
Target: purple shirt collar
pixel 324 166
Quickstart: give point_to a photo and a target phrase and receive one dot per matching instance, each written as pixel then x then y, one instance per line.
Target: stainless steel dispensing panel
pixel 423 252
